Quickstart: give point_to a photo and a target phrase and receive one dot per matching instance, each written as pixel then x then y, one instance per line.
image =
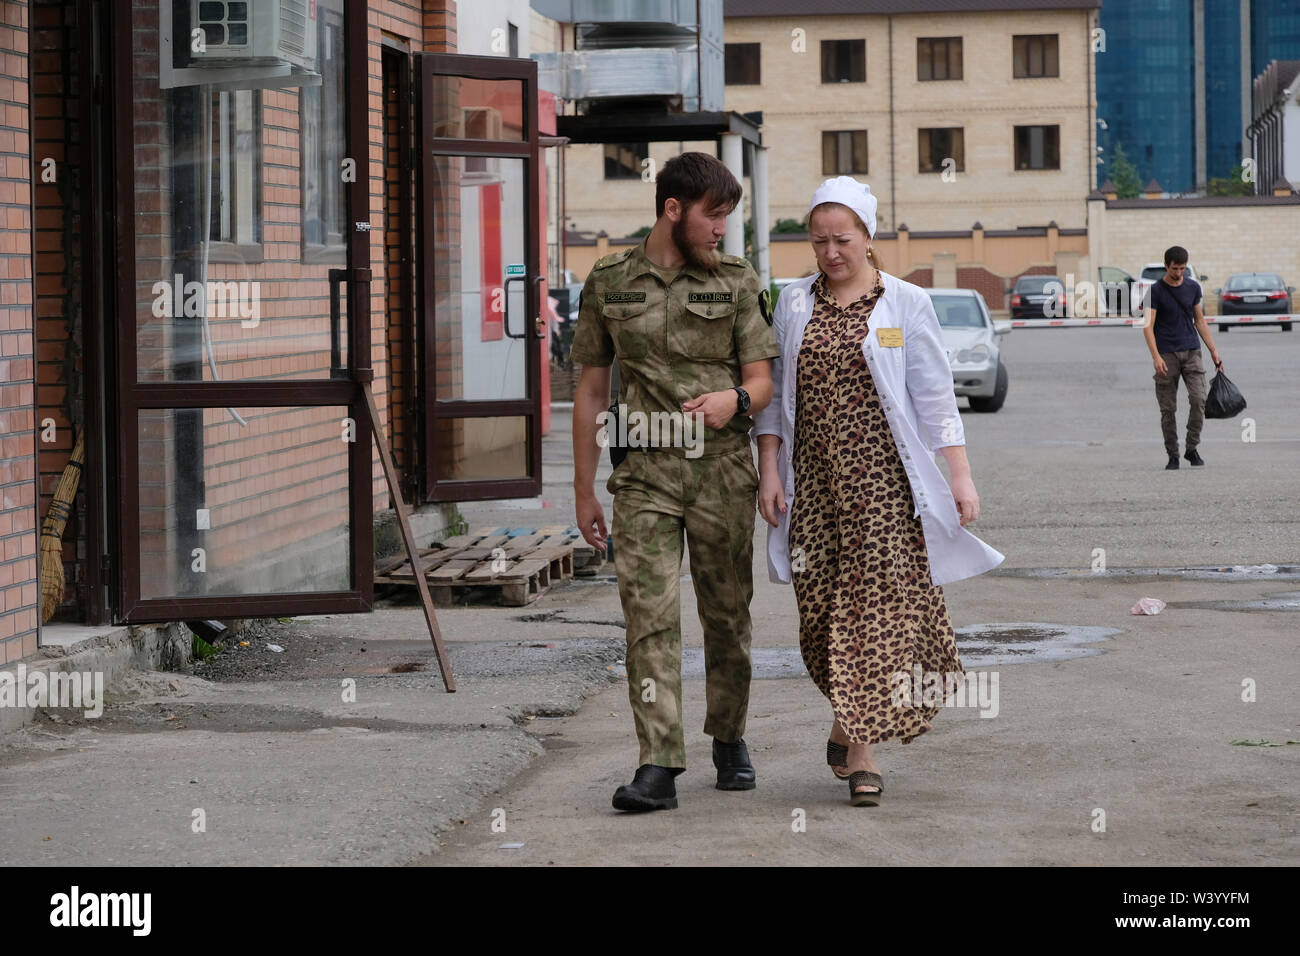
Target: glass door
pixel 480 328
pixel 241 155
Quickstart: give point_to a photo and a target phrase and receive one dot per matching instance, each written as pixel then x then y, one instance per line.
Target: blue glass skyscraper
pixel 1174 82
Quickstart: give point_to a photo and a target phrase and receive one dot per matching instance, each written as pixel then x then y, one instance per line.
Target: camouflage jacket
pixel 675 336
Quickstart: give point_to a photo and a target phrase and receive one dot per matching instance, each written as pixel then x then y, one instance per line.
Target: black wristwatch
pixel 742 407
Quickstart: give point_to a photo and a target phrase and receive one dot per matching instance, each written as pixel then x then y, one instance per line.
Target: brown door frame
pixel 134 396
pixel 94 20
pixel 430 65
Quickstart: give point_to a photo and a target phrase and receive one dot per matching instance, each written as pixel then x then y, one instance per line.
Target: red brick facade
pixel 279 480
pixel 18 515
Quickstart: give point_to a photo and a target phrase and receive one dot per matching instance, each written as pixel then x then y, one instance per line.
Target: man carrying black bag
pixel 1174 319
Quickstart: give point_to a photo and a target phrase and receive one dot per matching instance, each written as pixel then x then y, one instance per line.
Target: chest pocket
pixel 627 325
pixel 704 331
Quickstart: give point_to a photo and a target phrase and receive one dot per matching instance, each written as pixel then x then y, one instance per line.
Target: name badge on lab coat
pixel 890 338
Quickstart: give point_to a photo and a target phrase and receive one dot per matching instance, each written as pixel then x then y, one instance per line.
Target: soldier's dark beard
pixel 707 259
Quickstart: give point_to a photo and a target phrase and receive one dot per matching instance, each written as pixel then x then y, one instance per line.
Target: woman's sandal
pixel 837 757
pixel 865 778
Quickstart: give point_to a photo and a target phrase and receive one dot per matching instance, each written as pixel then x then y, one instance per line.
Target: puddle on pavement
pixel 980 645
pixel 984 645
pixel 1281 601
pixel 1235 572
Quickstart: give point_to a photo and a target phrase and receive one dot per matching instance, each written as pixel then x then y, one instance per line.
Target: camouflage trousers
pixel 1187 365
pixel 658 494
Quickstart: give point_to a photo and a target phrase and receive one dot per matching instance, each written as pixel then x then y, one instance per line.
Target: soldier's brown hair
pixel 691 177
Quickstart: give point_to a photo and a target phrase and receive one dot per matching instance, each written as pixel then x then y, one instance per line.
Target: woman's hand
pixel 968 502
pixel 771 497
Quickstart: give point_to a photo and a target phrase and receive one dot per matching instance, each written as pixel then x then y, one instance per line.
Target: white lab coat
pixel 914 383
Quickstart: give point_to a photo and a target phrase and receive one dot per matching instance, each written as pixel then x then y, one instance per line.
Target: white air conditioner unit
pixel 254 32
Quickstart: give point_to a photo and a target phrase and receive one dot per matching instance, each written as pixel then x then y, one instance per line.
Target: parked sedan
pixel 1038 297
pixel 1151 273
pixel 1255 293
pixel 972 340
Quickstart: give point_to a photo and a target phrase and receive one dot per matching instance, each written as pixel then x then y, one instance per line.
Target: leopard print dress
pixel 867 608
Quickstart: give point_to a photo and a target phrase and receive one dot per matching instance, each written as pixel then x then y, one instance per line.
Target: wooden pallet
pixel 520 572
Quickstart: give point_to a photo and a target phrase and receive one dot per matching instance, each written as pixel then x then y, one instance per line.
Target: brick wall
pixel 56 259
pixel 275 487
pixel 1249 234
pixel 19 597
pixel 430 27
pixel 988 102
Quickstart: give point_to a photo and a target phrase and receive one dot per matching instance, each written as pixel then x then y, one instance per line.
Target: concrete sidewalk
pixel 280 765
pixel 1142 732
pixel 285 771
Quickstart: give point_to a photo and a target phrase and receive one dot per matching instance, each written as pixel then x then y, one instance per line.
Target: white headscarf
pixel 847 191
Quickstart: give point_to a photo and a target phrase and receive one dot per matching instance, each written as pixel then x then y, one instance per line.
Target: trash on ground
pixel 1262 743
pixel 1148 605
pixel 275 647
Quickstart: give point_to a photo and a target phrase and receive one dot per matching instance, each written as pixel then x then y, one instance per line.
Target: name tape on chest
pixel 611 297
pixel 890 338
pixel 709 297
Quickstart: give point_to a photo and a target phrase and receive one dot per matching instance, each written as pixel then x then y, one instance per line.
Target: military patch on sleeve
pixel 611 297
pixel 765 305
pixel 605 262
pixel 709 297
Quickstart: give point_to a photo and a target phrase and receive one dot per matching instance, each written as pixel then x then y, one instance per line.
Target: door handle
pixel 539 323
pixel 505 292
pixel 339 371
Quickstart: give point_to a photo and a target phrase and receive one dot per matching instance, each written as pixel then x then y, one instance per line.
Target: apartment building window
pixel 513 39
pixel 235 220
pixel 844 152
pixel 938 58
pixel 939 144
pixel 844 61
pixel 1035 56
pixel 1038 147
pixel 743 64
pixel 623 160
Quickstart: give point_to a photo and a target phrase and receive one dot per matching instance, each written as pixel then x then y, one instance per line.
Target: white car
pixel 974 350
pixel 1151 273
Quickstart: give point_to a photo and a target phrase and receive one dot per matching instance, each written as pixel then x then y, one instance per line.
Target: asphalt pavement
pixel 1117 739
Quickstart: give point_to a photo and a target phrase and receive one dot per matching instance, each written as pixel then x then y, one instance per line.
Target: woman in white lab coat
pixel 862 520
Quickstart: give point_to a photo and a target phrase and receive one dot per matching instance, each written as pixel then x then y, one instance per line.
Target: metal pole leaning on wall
pixel 412 552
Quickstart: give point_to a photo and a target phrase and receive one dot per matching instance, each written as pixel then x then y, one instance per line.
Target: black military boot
pixel 735 772
pixel 1193 457
pixel 1173 463
pixel 652 788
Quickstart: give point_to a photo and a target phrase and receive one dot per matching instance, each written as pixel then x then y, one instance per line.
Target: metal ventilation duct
pixel 664 50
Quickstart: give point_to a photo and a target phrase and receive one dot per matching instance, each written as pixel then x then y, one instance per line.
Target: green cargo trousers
pixel 1187 365
pixel 658 494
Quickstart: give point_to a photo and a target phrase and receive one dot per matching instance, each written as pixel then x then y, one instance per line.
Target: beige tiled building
pixel 996 100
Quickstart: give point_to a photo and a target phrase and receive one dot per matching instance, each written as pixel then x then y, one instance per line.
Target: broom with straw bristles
pixel 52 581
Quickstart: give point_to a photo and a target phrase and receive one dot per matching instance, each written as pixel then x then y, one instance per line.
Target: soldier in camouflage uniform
pixel 692 333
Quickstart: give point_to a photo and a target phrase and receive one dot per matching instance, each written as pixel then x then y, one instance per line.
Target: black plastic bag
pixel 1224 400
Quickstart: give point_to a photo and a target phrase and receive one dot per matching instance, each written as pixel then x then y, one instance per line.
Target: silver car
pixel 972 339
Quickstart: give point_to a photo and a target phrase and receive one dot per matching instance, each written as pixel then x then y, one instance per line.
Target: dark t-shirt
pixel 1175 324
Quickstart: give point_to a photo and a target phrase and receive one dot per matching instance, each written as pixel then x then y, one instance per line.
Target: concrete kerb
pixel 112 651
